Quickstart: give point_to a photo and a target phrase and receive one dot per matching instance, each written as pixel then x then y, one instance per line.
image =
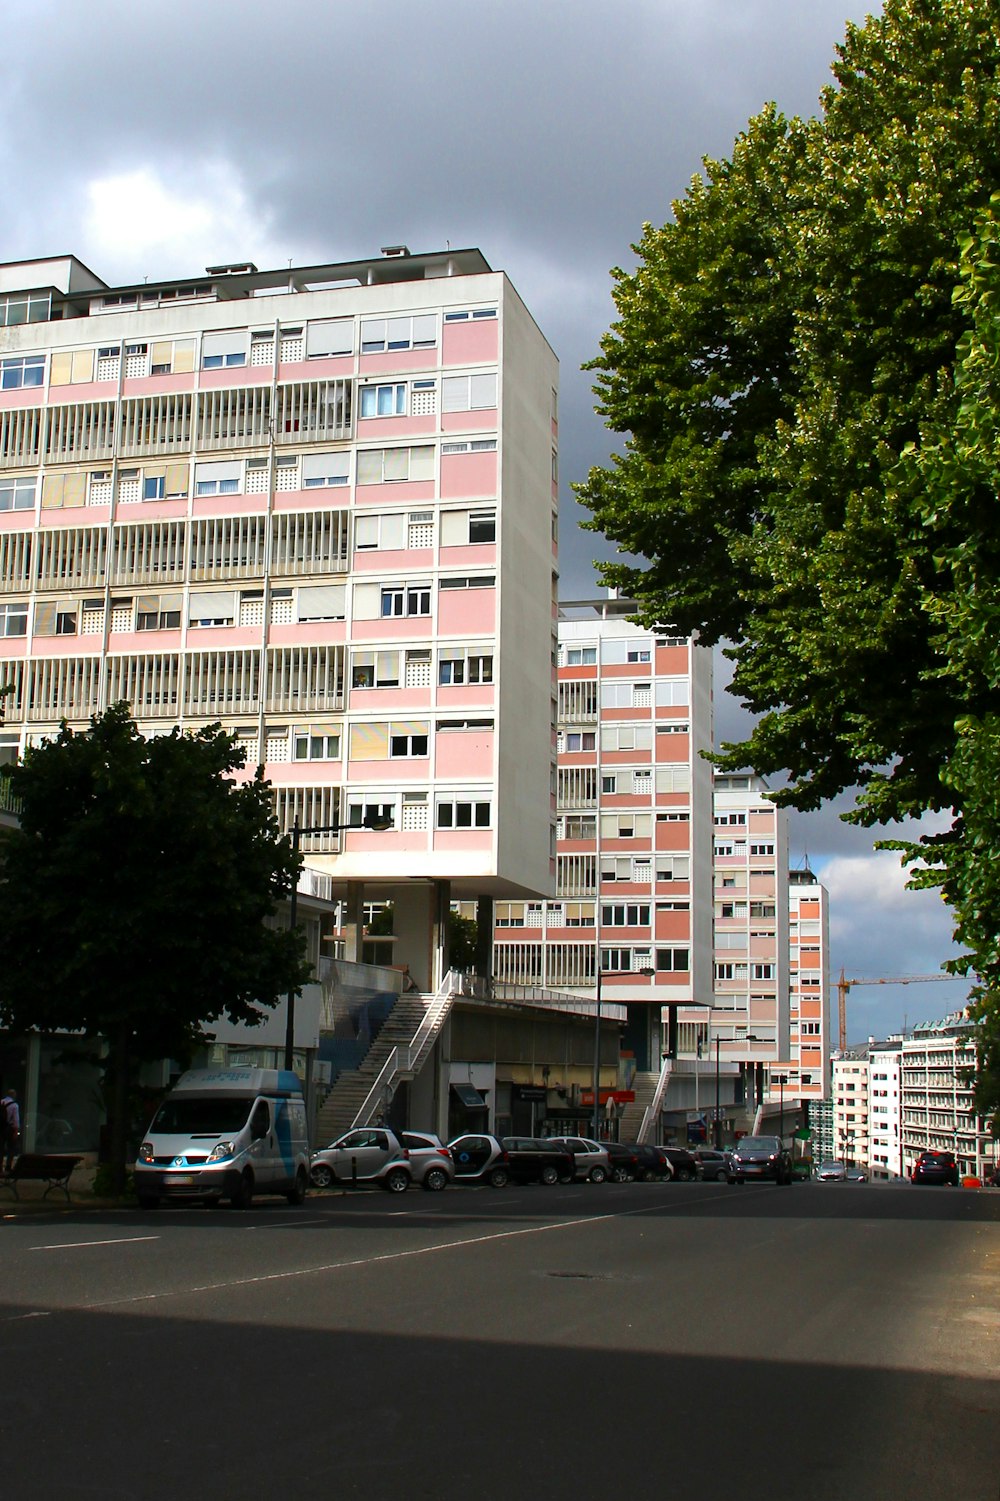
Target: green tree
pixel 134 897
pixel 782 342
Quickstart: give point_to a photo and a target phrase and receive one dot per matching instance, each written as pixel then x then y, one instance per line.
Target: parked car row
pixel 395 1160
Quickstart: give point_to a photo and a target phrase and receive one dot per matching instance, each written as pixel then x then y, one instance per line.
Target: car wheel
pixel 499 1177
pixel 242 1195
pixel 683 1175
pixel 648 1176
pixel 550 1174
pixel 435 1179
pixel 620 1175
pixel 397 1181
pixel 148 1201
pixel 720 1176
pixel 322 1176
pixel 598 1174
pixel 297 1195
pixel 567 1178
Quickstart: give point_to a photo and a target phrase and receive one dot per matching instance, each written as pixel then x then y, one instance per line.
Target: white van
pixel 226 1134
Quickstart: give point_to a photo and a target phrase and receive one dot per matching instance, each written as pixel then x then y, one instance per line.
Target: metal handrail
pixel 652 1111
pixel 388 1070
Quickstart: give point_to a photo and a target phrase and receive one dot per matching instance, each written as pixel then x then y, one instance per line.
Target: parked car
pixel 480 1159
pixel 369 1154
pixel 760 1157
pixel 430 1160
pixel 624 1161
pixel 712 1166
pixel 935 1167
pixel 653 1163
pixel 683 1162
pixel 856 1175
pixel 831 1171
pixel 591 1157
pixel 530 1160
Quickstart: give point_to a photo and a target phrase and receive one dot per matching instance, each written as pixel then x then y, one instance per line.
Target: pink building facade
pixel 318 506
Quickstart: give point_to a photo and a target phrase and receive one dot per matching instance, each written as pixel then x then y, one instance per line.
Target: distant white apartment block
pixel 319 506
pixel 937 1063
pixel 851 1105
pixel 885 1142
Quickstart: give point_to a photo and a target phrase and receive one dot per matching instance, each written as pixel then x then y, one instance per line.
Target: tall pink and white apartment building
pixel 318 505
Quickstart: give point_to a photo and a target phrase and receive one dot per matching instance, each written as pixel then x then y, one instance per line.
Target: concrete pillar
pixel 354 926
pixel 484 937
pixel 439 936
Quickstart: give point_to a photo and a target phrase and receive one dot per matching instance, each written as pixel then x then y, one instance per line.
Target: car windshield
pixel 193 1115
pixel 758 1144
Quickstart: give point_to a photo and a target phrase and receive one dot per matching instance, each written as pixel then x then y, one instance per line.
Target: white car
pixel 593 1163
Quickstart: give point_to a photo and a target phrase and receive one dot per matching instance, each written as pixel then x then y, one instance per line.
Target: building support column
pixel 484 938
pixel 354 921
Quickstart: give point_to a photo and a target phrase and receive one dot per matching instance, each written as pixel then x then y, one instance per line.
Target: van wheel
pixel 297 1195
pixel 242 1195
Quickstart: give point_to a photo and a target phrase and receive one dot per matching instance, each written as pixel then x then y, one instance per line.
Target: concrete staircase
pixel 634 1112
pixel 339 1110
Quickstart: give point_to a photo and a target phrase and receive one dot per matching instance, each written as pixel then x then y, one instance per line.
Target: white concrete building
pixel 885 1143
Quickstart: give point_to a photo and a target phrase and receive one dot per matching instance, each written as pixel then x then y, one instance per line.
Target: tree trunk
pixel 118 1111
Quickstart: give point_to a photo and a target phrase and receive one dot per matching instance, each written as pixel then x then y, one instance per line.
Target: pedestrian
pixel 11 1124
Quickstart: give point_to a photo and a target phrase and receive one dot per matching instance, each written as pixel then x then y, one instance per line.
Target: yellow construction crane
pixel 843 986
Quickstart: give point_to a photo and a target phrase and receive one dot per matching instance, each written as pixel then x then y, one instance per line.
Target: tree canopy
pixel 134 895
pixel 782 348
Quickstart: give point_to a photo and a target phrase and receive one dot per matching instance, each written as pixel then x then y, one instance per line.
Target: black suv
pixel 530 1160
pixel 935 1167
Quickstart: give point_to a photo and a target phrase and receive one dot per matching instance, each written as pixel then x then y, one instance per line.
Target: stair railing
pixel 651 1114
pixel 408 1059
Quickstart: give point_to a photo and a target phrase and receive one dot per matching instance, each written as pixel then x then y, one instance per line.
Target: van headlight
pixel 220 1151
pixel 146 1152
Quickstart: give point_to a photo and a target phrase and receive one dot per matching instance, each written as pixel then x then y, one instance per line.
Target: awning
pixel 470 1098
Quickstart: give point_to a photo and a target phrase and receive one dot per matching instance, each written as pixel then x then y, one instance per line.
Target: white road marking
pixel 365 1261
pixel 75 1245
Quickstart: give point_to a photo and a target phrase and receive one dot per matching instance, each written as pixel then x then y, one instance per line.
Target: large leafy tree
pixel 780 344
pixel 134 896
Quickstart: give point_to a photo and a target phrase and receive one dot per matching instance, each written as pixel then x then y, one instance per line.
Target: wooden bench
pixel 53 1168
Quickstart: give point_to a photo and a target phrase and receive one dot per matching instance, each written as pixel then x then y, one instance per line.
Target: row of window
pixel 725 848
pixel 615 652
pixel 618 737
pixel 727 971
pixel 292 472
pixel 220 350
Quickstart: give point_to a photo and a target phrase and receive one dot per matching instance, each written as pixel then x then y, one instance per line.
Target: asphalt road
pixel 837 1342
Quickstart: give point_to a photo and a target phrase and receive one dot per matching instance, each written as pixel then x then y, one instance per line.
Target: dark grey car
pixel 760 1158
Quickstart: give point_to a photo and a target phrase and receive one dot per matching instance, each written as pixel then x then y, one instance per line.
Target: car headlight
pixel 220 1151
pixel 146 1152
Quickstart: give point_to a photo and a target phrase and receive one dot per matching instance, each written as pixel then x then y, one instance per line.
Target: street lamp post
pixel 596 1125
pixel 718 1108
pixel 372 821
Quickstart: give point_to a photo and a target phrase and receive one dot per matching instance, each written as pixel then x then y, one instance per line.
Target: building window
pixel 616 960
pixel 579 740
pixel 406 743
pixel 375 669
pixel 224 350
pixel 405 600
pixel 470 581
pixel 378 466
pixel 581 656
pixel 363 814
pixel 634 655
pixel 465 314
pixel 13 621
pixel 673 960
pixel 217 479
pixel 26 370
pixel 625 915
pixel 763 972
pixel 322 469
pixel 470 445
pixel 384 401
pixel 17 494
pixel 762 849
pixel 316 745
pixel 25 307
pixel 382 335
pixel 468 393
pixel 731 972
pixel 460 814
pixel 458 664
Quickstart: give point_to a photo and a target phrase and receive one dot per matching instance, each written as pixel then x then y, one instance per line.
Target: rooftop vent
pixel 241 268
pixel 392 250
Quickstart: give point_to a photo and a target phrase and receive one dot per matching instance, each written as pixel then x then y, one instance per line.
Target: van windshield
pixel 187 1115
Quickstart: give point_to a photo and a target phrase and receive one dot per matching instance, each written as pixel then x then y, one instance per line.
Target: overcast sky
pixel 155 139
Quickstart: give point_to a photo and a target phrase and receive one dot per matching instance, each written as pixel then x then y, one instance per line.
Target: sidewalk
pixel 31 1196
